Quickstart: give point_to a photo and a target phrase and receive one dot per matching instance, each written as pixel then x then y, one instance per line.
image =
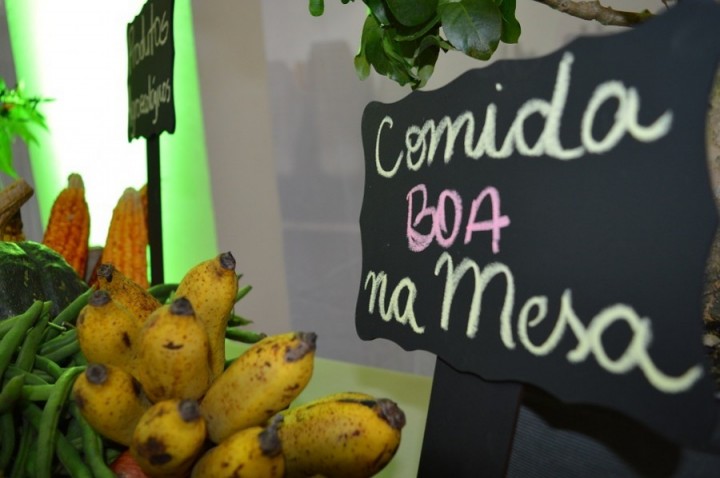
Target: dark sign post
pixel 547 222
pixel 151 105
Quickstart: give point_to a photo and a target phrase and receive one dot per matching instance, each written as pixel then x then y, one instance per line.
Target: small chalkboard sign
pixel 151 55
pixel 547 222
pixel 151 104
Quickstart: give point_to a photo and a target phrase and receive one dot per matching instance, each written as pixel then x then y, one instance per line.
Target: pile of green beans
pixel 41 432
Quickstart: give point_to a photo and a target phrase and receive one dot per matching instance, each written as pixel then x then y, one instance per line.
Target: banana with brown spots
pixel 212 287
pixel 345 436
pixel 254 452
pixel 111 401
pixel 107 331
pixel 263 380
pixel 169 438
pixel 173 353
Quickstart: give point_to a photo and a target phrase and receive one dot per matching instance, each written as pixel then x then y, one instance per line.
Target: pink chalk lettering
pixel 494 224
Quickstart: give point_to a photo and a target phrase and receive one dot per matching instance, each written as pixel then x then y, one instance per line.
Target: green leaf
pixel 412 13
pixel 377 7
pixel 472 26
pixel 362 67
pixel 510 25
pixel 21 129
pixel 316 7
pixel 6 159
pixel 372 45
pixel 428 52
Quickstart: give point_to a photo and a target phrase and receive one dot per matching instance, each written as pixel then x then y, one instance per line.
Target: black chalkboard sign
pixel 151 55
pixel 547 222
pixel 151 104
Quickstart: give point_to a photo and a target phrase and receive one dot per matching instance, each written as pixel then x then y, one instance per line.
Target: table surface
pixel 411 392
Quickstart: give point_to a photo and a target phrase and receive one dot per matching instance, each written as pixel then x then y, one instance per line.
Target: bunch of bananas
pixel 158 383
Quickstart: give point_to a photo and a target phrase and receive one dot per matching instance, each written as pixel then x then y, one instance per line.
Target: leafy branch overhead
pixel 17 113
pixel 402 39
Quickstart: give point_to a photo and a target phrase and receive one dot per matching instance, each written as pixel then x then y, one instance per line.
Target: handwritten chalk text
pixel 400 307
pixel 439 230
pixel 422 141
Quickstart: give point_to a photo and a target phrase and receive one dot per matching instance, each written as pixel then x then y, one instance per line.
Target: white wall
pixel 234 91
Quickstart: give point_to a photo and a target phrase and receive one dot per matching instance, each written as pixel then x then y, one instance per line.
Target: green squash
pixel 30 271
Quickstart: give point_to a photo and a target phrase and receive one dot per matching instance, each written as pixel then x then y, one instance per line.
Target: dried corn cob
pixel 68 228
pixel 127 239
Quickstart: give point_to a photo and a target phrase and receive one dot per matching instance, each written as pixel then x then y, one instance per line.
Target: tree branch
pixel 593 10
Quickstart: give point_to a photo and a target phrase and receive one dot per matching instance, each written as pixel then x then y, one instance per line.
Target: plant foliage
pixel 18 113
pixel 402 39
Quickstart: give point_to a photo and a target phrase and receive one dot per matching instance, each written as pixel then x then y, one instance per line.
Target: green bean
pixel 11 392
pixel 236 320
pixel 92 446
pixel 69 314
pixel 67 337
pixel 245 336
pixel 29 348
pixel 6 325
pixel 37 393
pixel 79 359
pixel 112 454
pixel 48 366
pixel 47 429
pixel 7 440
pixel 30 378
pixel 41 376
pixel 11 341
pixel 63 352
pixel 21 456
pixel 162 291
pixel 242 293
pixel 31 462
pixel 66 452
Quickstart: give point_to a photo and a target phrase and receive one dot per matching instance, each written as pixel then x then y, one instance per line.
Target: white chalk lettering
pixel 378 288
pixel 149 101
pixel 155 36
pixel 423 141
pixel 532 313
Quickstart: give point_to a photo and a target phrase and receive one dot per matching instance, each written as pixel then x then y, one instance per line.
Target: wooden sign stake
pixel 154 210
pixel 470 425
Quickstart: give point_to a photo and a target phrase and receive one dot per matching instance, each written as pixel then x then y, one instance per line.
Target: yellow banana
pixel 211 286
pixel 173 354
pixel 126 291
pixel 338 396
pixel 253 452
pixel 265 379
pixel 340 438
pixel 168 438
pixel 107 331
pixel 111 401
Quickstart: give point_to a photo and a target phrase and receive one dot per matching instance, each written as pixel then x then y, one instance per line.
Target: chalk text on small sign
pixel 151 54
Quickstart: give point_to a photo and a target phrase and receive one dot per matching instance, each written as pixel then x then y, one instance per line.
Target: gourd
pixel 31 271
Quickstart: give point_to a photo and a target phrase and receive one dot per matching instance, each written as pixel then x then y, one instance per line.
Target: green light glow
pixel 75 52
